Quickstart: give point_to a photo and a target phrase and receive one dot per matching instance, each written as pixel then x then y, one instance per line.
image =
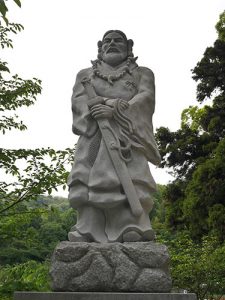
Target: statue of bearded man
pixel 111 186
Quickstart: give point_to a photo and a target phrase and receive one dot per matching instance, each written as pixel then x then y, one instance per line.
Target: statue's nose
pixel 112 42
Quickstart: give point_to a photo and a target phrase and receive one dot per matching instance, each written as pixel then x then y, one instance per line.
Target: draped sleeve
pixel 83 123
pixel 141 110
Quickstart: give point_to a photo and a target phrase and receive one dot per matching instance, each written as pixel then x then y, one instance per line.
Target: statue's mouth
pixel 112 50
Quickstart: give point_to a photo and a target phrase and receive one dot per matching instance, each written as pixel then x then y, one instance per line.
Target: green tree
pixel 34 235
pixel 27 242
pixel 30 226
pixel 43 169
pixel 197 267
pixel 158 208
pixel 195 152
pixel 26 173
pixel 204 203
pixel 29 276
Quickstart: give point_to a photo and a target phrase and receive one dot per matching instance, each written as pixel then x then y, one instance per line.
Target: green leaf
pixel 18 2
pixel 4 68
pixel 6 20
pixel 3 8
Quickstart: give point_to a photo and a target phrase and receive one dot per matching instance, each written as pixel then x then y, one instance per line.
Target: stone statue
pixel 110 184
pixel 112 247
pixel 111 253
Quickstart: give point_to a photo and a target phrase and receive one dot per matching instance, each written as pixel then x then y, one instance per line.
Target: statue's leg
pixel 90 225
pixel 123 226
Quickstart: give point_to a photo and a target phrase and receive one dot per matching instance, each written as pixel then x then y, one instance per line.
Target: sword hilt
pixel 93 97
pixel 88 87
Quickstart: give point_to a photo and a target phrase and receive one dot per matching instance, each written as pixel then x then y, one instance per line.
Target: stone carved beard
pixel 115 58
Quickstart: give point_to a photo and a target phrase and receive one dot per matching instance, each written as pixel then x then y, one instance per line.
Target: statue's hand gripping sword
pixel 111 142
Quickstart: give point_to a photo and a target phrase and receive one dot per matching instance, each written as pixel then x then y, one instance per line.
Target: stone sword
pixel 119 165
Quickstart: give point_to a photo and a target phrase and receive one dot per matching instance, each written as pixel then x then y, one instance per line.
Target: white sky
pixel 60 38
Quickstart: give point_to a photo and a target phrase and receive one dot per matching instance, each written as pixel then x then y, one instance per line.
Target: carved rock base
pixel 116 267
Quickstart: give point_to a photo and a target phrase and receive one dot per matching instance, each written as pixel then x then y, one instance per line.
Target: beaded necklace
pixel 110 78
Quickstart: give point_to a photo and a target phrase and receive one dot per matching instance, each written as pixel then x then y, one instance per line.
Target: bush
pixel 29 276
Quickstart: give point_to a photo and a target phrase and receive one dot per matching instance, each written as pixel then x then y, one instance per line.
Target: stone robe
pixel 104 214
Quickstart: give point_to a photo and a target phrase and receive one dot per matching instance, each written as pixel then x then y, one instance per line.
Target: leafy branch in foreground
pixel 27 173
pixel 31 173
pixel 14 92
pixel 5 40
pixel 4 9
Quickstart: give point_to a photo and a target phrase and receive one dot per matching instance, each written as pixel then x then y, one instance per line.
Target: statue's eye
pixel 119 40
pixel 106 41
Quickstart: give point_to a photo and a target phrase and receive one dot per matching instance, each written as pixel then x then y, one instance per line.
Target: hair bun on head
pixel 117 31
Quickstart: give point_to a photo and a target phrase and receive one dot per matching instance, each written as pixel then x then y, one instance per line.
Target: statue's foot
pixel 149 235
pixel 133 236
pixel 75 236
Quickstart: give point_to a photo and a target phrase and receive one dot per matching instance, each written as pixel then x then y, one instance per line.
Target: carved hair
pixel 130 43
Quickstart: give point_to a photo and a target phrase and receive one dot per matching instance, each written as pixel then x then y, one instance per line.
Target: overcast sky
pixel 60 38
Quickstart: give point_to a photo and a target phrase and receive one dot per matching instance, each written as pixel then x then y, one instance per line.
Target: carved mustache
pixel 112 50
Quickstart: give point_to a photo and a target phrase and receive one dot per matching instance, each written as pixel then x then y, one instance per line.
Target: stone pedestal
pixel 117 267
pixel 101 296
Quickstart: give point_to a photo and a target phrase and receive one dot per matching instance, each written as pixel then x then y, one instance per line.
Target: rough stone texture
pixel 101 296
pixel 116 267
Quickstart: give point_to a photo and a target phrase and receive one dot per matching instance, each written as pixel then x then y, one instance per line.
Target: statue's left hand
pixel 112 102
pixel 100 111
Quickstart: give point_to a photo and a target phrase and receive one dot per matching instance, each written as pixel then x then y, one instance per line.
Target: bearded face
pixel 114 49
